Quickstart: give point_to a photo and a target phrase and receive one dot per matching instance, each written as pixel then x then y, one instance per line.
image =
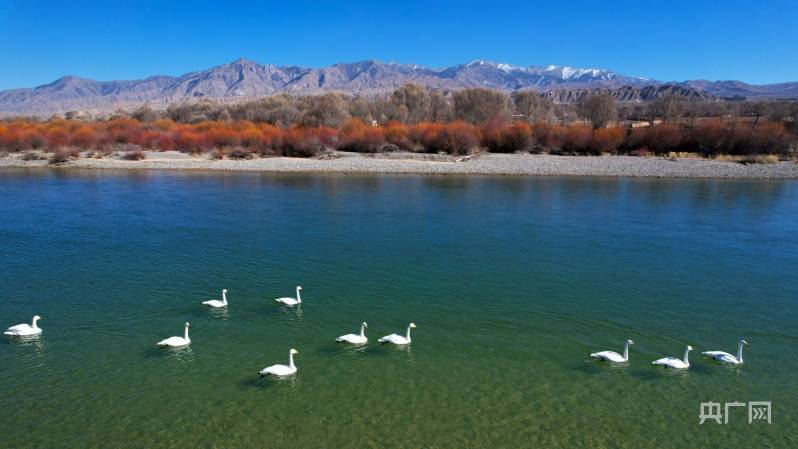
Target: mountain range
pixel 245 79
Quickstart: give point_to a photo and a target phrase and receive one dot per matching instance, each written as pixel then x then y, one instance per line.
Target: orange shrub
pixel 56 137
pixel 188 140
pixel 606 140
pixel 576 139
pixel 221 137
pixel 397 134
pixel 711 137
pixel 507 138
pixel 250 137
pixel 547 136
pixel 125 130
pixel 356 136
pixel 306 142
pixel 165 142
pixel 270 141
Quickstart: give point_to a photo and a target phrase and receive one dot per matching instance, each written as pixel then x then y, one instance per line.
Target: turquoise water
pixel 511 281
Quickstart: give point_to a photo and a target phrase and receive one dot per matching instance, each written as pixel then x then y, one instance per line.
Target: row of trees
pixel 412 104
pixel 241 138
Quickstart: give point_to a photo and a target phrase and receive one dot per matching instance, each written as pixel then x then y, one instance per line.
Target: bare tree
pixel 693 109
pixel 480 105
pixel 440 109
pixel 755 109
pixel 599 109
pixel 564 113
pixel 323 110
pixel 359 108
pixel 414 101
pixel 532 106
pixel 381 109
pixel 144 114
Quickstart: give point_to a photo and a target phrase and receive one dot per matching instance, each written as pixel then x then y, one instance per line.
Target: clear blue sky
pixel 750 41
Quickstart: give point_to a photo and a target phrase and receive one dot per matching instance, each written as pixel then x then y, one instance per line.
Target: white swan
pixel 291 301
pixel 354 338
pixel 216 303
pixel 725 357
pixel 281 370
pixel 176 342
pixel 673 362
pixel 612 356
pixel 25 329
pixel 398 339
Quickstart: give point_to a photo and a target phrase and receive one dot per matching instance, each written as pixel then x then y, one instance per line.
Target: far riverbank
pixel 432 164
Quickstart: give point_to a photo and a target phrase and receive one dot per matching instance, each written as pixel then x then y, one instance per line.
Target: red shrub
pixel 250 137
pixel 306 142
pixel 56 137
pixel 221 137
pixel 606 140
pixel 576 139
pixel 357 136
pixel 84 137
pixel 188 140
pixel 547 136
pixel 508 138
pixel 397 134
pixel 270 141
pixel 165 143
pixel 125 130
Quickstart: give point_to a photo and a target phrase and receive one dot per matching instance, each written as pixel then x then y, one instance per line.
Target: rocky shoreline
pixel 433 164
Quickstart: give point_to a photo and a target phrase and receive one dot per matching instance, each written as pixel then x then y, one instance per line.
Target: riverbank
pixel 414 163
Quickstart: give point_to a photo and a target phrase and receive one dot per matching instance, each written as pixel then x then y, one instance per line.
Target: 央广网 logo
pixel 712 411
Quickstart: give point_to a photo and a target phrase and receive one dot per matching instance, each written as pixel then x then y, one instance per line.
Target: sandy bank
pixel 409 163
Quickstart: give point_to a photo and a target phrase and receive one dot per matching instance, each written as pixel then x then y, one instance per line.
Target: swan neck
pixel 33 323
pixel 740 353
pixel 362 330
pixel 408 333
pixel 291 360
pixel 185 334
pixel 298 298
pixel 224 298
pixel 686 354
pixel 626 351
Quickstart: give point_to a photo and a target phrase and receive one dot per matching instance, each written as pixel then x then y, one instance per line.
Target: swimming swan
pixel 725 357
pixel 291 301
pixel 24 329
pixel 673 362
pixel 176 342
pixel 216 303
pixel 398 339
pixel 354 338
pixel 612 356
pixel 281 370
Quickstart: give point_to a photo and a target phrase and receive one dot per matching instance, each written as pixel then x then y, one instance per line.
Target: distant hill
pixel 635 94
pixel 244 79
pixel 739 89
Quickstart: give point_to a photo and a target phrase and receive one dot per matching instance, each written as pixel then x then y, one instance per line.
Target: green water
pixel 511 281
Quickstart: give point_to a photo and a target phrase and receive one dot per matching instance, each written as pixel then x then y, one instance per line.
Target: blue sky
pixel 750 41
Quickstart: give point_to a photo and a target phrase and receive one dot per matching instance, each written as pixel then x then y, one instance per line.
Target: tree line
pixel 415 119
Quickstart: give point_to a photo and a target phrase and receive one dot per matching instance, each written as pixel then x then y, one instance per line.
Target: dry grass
pixel 59 157
pixel 33 156
pixel 673 155
pixel 748 159
pixel 760 159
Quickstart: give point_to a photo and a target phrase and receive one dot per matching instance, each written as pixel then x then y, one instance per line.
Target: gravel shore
pixel 411 163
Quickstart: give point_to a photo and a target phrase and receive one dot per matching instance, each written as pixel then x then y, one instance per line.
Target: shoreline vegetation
pixel 414 130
